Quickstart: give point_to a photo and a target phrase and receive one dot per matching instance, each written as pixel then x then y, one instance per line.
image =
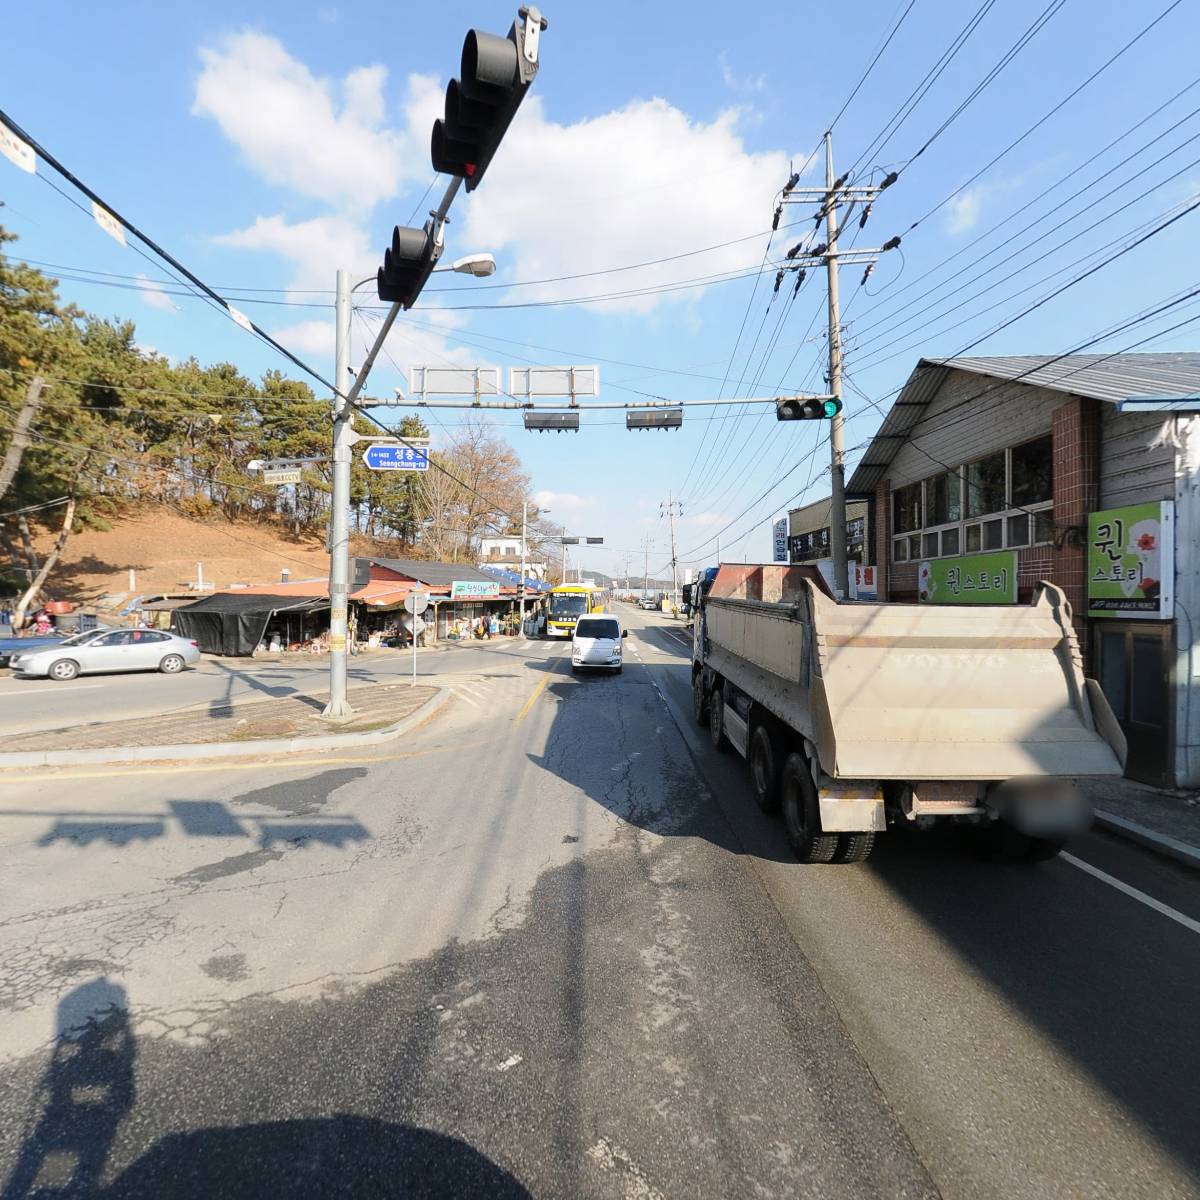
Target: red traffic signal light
pixel 496 74
pixel 799 408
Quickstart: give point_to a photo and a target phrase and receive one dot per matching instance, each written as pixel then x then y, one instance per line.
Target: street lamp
pixel 348 386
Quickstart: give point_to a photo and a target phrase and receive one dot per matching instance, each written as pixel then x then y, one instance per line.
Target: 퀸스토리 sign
pixel 969 579
pixel 1131 561
pixel 468 589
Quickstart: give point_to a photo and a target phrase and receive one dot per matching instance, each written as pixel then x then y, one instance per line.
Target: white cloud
pixel 291 129
pixel 562 503
pixel 643 182
pixel 739 83
pixel 962 215
pixel 315 248
pixel 153 294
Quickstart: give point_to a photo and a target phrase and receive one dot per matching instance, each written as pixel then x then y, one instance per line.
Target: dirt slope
pixel 163 548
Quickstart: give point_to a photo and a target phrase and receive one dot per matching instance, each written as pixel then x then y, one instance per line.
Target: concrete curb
pixel 248 749
pixel 1160 843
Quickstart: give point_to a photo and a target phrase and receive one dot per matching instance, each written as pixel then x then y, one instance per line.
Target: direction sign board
pixel 289 476
pixel 532 382
pixel 454 381
pixel 383 457
pixel 473 589
pixel 416 602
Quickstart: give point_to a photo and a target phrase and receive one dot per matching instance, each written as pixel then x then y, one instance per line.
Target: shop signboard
pixel 969 579
pixel 781 539
pixel 864 582
pixel 1131 561
pixel 473 589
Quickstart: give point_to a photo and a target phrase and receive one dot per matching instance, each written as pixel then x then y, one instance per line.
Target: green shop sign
pixel 969 579
pixel 1131 561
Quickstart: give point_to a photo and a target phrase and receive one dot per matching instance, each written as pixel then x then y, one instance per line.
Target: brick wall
pixel 1076 430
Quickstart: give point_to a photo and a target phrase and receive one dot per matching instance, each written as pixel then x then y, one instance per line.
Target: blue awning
pixel 514 580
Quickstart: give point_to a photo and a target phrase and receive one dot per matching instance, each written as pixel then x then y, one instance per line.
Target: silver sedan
pixel 108 650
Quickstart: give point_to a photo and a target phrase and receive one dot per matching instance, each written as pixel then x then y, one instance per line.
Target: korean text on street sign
pixel 1131 561
pixel 395 458
pixel 292 476
pixel 969 579
pixel 473 589
pixel 780 531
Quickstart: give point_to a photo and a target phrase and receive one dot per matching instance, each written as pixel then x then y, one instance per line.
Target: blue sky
pixel 267 144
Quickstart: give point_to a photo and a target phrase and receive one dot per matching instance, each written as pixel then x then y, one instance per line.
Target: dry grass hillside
pixel 163 548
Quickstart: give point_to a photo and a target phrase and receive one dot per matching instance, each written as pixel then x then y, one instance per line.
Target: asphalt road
pixel 549 947
pixel 27 705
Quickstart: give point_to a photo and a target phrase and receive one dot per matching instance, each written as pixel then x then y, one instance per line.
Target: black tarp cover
pixel 229 623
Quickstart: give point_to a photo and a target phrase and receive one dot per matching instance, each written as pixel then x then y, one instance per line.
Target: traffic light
pixel 560 422
pixel 662 418
pixel 496 74
pixel 408 262
pixel 797 408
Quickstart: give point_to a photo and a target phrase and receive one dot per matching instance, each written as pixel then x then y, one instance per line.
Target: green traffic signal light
pixel 832 408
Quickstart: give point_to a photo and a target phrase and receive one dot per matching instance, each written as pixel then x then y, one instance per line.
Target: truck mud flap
pixel 851 806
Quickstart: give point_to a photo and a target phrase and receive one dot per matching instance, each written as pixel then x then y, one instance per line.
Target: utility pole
pixel 339 508
pixel 564 554
pixel 646 568
pixel 837 449
pixel 524 533
pixel 674 562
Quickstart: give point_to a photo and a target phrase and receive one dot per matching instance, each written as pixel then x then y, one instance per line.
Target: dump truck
pixel 857 717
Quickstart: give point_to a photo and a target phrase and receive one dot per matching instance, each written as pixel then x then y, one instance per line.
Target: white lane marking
pixel 510 1062
pixel 83 687
pixel 1121 886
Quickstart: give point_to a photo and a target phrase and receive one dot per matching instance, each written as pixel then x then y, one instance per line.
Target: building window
pixel 906 508
pixel 1032 473
pixel 985 485
pixel 1001 501
pixel 942 503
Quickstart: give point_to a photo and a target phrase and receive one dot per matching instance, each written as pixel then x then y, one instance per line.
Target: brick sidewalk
pixel 376 706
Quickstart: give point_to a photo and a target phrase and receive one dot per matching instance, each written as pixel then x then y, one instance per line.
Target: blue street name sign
pixel 395 458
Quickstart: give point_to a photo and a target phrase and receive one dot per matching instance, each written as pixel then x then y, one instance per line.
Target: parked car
pixel 597 643
pixel 650 602
pixel 11 646
pixel 108 650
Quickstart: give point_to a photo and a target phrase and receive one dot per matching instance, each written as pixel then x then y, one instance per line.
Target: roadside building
pixel 504 554
pixel 990 474
pixel 809 536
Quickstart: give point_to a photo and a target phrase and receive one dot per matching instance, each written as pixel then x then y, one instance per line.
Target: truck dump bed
pixel 908 692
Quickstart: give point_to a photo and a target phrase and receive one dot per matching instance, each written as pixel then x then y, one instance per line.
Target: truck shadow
pixel 612 738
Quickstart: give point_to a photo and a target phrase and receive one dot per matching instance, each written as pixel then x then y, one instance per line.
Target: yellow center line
pixel 537 691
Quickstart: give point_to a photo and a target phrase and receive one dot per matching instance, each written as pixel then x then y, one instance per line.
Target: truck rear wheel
pixel 699 698
pixel 764 769
pixel 854 847
pixel 716 718
pixel 802 814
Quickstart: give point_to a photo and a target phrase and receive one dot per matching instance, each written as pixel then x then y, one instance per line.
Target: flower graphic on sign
pixel 925 584
pixel 1147 541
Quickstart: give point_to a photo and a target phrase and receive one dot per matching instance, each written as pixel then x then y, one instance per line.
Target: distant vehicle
pixel 569 602
pixel 651 603
pixel 15 645
pixel 108 650
pixel 597 643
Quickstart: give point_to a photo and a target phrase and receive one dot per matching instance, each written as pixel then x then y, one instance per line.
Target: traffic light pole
pixel 339 508
pixel 837 448
pixel 349 387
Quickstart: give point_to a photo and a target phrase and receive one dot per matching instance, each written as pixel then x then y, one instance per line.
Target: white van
pixel 597 643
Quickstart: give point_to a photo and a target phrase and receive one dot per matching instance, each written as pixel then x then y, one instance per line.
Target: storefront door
pixel 1133 661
